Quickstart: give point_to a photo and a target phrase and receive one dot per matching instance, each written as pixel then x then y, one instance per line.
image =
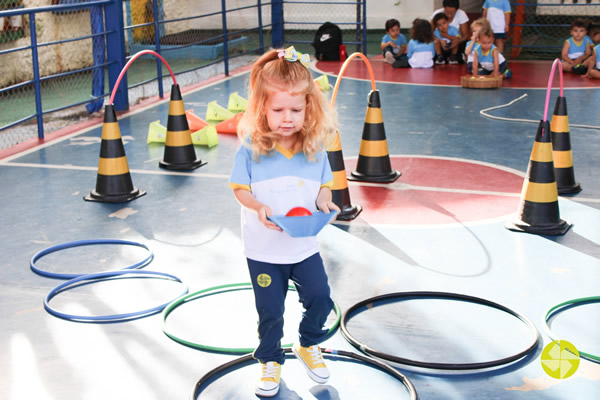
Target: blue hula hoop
pixel 108 318
pixel 88 242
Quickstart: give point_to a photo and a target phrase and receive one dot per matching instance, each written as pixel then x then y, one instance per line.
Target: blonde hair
pixel 484 27
pixel 270 74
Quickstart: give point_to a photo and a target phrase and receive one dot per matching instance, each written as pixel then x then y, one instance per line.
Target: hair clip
pixel 290 54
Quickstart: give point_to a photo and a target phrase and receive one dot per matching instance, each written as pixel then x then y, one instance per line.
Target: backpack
pixel 327 42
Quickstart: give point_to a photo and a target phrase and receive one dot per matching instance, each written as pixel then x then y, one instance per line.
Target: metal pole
pixel 225 38
pixel 36 76
pixel 277 23
pixel 157 47
pixel 260 28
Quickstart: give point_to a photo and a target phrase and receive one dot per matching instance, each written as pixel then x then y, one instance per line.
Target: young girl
pixel 282 164
pixel 421 50
pixel 577 48
pixel 476 26
pixel 593 62
pixel 487 60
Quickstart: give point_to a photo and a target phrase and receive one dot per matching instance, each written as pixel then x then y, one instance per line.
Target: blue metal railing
pixel 113 36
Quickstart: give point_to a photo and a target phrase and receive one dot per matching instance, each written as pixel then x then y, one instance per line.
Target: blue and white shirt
pixel 282 181
pixel 597 53
pixel 452 31
pixel 496 10
pixel 420 55
pixel 576 50
pixel 486 60
pixel 399 41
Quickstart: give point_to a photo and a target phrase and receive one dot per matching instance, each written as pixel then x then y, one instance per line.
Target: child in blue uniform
pixel 446 40
pixel 487 60
pixel 593 62
pixel 393 43
pixel 577 48
pixel 498 13
pixel 473 44
pixel 282 164
pixel 420 50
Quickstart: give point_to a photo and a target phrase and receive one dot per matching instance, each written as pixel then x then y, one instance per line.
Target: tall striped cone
pixel 374 159
pixel 113 183
pixel 561 146
pixel 339 191
pixel 179 151
pixel 538 210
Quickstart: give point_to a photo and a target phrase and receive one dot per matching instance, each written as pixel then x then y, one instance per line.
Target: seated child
pixel 446 39
pixel 487 60
pixel 420 50
pixel 476 26
pixel 593 62
pixel 577 48
pixel 393 43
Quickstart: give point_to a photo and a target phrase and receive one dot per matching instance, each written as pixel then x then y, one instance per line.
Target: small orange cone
pixel 538 210
pixel 339 190
pixel 113 183
pixel 195 123
pixel 374 159
pixel 179 150
pixel 230 125
pixel 561 146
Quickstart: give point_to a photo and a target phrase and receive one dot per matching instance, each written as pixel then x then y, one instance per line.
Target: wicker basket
pixel 481 81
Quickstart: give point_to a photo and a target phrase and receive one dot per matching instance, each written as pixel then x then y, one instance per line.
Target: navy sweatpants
pixel 270 284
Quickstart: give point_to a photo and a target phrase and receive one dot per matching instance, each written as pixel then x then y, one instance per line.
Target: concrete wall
pixel 17 67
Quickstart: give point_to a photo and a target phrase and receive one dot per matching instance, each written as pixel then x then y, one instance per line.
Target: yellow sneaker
pixel 312 359
pixel 268 382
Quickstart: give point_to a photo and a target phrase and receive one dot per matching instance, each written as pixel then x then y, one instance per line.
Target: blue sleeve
pixel 326 174
pixel 436 33
pixel 402 40
pixel 240 172
pixel 385 38
pixel 411 48
pixel 486 4
pixel 506 6
pixel 452 31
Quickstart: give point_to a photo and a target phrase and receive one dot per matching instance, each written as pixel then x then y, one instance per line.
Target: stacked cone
pixel 216 112
pixel 179 151
pixel 113 183
pixel 538 210
pixel 561 146
pixel 237 103
pixel 230 125
pixel 374 159
pixel 339 190
pixel 156 133
pixel 206 136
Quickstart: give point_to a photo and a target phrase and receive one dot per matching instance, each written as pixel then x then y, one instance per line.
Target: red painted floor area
pixel 434 191
pixel 525 74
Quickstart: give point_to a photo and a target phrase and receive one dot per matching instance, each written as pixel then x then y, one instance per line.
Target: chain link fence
pixel 539 28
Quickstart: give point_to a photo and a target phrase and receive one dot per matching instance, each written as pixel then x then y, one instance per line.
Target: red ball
pixel 298 212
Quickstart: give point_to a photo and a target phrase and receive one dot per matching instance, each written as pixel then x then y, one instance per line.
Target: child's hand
pixel 474 37
pixel 263 212
pixel 327 206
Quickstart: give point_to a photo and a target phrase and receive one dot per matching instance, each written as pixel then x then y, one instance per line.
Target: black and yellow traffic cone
pixel 113 183
pixel 561 146
pixel 179 151
pixel 374 159
pixel 339 191
pixel 538 210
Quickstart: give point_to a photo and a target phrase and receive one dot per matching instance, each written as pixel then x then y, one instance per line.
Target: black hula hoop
pixel 88 242
pixel 214 290
pixel 432 365
pixel 108 318
pixel 562 307
pixel 327 353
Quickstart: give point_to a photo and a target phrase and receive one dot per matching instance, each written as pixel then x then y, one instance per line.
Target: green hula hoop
pixel 227 288
pixel 556 310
